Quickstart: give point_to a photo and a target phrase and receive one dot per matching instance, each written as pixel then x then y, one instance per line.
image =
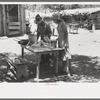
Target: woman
pixel 63 43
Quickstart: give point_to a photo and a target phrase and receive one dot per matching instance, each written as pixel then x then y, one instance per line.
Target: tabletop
pixel 42 49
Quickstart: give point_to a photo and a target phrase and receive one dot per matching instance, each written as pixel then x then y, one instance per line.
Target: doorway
pixel 13 21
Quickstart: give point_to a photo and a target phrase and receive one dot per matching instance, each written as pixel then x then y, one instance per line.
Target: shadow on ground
pixel 86 68
pixel 83 68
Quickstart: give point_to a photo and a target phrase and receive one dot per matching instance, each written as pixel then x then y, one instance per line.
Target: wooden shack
pixel 12 20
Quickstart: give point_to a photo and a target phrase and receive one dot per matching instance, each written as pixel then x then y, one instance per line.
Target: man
pixel 44 32
pixel 43 29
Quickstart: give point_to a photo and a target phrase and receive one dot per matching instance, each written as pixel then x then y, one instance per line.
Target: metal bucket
pixel 32 38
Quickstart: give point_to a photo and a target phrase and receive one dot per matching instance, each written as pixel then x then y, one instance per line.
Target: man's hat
pixel 56 17
pixel 38 18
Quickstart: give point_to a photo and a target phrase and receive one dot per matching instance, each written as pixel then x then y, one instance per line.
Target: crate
pixel 19 66
pixel 3 68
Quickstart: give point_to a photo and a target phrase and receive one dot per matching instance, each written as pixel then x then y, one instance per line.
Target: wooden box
pixel 20 67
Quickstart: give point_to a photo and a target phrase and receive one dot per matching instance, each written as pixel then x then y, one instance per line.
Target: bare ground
pixel 85 65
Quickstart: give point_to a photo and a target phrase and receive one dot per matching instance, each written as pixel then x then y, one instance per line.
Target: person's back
pixel 28 30
pixel 63 34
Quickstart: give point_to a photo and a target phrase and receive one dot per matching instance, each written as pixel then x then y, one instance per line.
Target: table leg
pixel 22 52
pixel 38 67
pixel 56 63
pixel 69 29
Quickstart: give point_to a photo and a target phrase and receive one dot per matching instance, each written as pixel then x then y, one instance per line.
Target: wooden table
pixel 38 51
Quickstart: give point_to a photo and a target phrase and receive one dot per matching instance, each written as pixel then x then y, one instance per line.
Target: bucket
pixel 32 38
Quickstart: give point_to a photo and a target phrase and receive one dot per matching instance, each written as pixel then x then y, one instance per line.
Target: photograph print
pixel 50 43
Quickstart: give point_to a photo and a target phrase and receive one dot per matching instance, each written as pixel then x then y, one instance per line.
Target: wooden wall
pixel 1 21
pixel 23 21
pixel 5 25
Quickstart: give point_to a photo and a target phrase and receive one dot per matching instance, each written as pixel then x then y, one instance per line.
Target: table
pixel 38 51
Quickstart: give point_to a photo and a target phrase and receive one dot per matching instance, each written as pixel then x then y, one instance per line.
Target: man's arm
pixel 66 42
pixel 49 31
pixel 38 33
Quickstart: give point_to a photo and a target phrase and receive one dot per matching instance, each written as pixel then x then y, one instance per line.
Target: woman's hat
pixel 38 18
pixel 56 17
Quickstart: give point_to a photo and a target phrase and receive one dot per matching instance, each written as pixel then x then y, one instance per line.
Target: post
pixel 22 52
pixel 53 31
pixel 93 27
pixel 38 67
pixel 56 62
pixel 4 21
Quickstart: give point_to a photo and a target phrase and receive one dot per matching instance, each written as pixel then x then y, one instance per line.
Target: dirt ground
pixel 85 66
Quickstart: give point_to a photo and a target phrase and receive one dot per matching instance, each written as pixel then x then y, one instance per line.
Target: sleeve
pixel 38 33
pixel 65 31
pixel 65 35
pixel 49 31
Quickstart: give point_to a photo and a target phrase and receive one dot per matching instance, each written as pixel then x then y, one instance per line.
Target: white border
pixel 42 90
pixel 49 2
